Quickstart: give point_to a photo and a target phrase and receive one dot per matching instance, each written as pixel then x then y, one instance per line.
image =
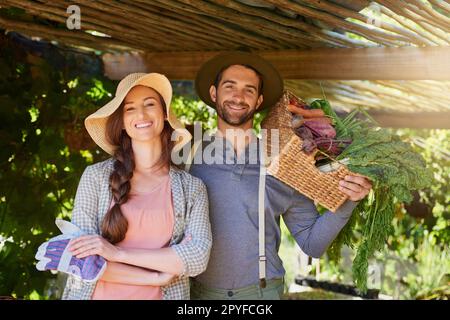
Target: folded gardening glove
pixel 54 255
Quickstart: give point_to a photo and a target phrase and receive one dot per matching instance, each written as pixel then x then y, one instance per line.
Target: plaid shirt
pixel 190 201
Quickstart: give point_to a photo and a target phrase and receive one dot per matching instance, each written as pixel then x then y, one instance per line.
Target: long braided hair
pixel 115 225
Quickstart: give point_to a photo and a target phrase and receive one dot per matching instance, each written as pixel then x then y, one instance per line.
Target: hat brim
pixel 272 81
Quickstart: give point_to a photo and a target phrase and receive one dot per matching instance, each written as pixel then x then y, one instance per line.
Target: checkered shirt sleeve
pixel 195 253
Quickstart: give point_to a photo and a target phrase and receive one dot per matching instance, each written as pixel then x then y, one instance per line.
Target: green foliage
pixel 396 170
pixel 43 152
pixel 415 256
pixel 434 145
pixel 422 242
pixel 432 266
pixel 189 111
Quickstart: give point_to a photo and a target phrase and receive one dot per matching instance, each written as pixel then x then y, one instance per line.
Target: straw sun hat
pixel 96 122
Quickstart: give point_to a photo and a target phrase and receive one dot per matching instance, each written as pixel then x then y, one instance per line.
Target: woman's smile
pixel 143 125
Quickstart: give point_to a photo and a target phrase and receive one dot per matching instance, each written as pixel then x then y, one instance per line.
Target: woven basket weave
pixel 296 168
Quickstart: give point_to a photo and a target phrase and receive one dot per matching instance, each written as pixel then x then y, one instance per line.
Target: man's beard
pixel 224 113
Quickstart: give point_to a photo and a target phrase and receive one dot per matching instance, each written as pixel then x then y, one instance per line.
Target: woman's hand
pixel 93 244
pixel 356 187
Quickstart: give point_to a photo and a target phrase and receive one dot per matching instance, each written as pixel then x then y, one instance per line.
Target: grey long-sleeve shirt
pixel 233 203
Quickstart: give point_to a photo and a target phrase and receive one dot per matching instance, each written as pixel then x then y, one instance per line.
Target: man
pixel 239 84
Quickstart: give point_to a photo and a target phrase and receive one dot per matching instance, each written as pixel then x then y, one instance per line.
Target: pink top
pixel 150 225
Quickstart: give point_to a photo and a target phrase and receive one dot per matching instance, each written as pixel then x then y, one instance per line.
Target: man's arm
pixel 314 232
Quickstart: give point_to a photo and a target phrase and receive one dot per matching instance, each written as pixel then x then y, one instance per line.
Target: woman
pixel 148 219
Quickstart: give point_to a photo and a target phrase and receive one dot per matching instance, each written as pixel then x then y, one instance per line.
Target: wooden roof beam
pixel 417 120
pixel 405 63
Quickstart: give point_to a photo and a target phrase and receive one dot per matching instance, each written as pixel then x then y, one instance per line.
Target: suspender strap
pixel 261 218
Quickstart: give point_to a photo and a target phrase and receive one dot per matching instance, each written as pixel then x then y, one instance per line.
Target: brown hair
pixel 115 225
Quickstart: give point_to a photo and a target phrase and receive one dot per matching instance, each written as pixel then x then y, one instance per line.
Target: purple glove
pixel 54 255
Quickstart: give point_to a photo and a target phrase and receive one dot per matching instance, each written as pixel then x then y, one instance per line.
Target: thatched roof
pixel 197 27
pixel 193 25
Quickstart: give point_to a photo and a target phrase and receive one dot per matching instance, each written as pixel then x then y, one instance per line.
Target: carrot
pixel 312 113
pixel 292 108
pixel 298 103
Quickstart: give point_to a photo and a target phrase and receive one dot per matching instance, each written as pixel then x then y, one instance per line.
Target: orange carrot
pixel 307 113
pixel 320 119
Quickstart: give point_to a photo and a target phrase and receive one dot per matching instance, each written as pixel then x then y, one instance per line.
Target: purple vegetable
pixel 308 139
pixel 309 145
pixel 330 146
pixel 320 129
pixel 304 133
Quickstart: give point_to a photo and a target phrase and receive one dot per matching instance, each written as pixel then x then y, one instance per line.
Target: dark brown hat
pixel 272 81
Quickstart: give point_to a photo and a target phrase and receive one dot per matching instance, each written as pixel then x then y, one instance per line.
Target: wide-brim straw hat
pixel 96 122
pixel 272 81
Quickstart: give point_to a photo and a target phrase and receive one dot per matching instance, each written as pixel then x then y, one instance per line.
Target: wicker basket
pixel 296 168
